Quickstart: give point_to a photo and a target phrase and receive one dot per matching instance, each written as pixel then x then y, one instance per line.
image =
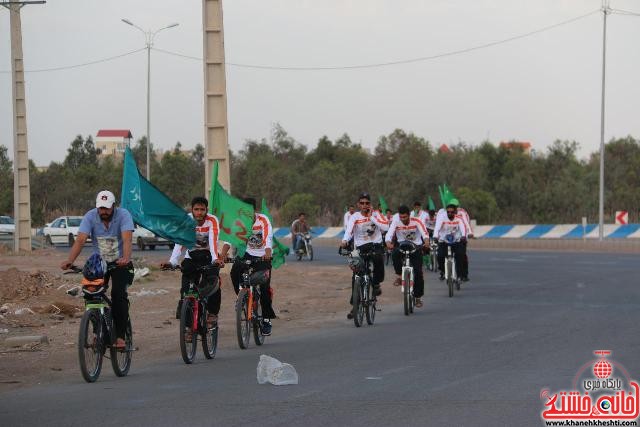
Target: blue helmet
pixel 94 268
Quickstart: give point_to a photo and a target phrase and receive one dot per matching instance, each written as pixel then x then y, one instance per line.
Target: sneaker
pixel 350 315
pixel 465 279
pixel 441 276
pixel 178 309
pixel 397 282
pixel 418 302
pixel 266 328
pixel 376 290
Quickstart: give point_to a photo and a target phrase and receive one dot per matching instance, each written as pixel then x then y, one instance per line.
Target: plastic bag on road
pixel 271 370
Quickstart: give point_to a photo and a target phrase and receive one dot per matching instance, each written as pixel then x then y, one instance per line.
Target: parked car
pixel 7 225
pixel 62 230
pixel 144 238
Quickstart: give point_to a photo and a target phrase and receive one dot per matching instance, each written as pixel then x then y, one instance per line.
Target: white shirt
pixel 261 236
pixel 206 239
pixel 414 232
pixel 347 217
pixel 365 229
pixel 445 226
pixel 422 215
pixel 460 214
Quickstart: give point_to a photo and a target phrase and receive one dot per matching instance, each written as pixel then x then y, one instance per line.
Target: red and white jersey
pixel 460 214
pixel 414 232
pixel 421 215
pixel 464 215
pixel 206 239
pixel 445 226
pixel 261 236
pixel 366 229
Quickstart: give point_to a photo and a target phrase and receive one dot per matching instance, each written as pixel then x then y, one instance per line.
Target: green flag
pixel 442 199
pixel 383 204
pixel 279 251
pixel 234 215
pixel 431 205
pixel 448 195
pixel 152 209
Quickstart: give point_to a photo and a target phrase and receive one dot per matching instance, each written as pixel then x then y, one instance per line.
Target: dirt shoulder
pixel 34 301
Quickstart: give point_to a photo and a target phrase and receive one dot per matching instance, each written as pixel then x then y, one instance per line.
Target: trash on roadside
pixel 271 370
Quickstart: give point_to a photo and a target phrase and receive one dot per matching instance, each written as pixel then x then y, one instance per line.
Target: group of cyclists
pixel 369 231
pixel 110 229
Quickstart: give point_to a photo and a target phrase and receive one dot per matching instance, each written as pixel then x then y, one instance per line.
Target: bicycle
pixel 97 332
pixel 409 301
pixel 363 299
pixel 193 316
pixel 450 273
pixel 306 250
pixel 248 307
pixel 433 255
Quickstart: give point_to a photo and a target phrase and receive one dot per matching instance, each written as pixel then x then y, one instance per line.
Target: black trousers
pixel 190 273
pixel 377 262
pixel 265 290
pixel 458 253
pixel 121 278
pixel 465 261
pixel 416 263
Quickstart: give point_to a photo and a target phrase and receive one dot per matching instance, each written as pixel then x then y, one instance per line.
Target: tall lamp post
pixel 149 37
pixel 605 11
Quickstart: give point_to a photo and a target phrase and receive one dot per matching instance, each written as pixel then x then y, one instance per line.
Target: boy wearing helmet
pixel 111 230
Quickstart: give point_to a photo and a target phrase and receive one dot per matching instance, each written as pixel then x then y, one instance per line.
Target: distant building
pixel 444 148
pixel 112 142
pixel 522 145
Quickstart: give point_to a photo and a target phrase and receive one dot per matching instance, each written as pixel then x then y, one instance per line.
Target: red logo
pixel 601 397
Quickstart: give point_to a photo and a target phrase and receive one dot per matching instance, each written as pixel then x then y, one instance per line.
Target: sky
pixel 539 88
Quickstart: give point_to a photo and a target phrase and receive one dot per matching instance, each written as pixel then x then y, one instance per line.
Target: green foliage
pixel 300 202
pixel 495 184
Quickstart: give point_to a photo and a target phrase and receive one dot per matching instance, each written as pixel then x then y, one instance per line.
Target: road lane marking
pixel 508 336
pixel 373 378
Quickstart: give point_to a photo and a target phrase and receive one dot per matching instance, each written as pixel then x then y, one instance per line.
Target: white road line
pixel 508 336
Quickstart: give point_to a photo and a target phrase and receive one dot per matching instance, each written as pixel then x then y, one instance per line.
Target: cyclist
pixel 204 253
pixel 111 230
pixel 464 215
pixel 407 229
pixel 299 228
pixel 347 215
pixel 259 247
pixel 417 212
pixel 389 215
pixel 366 229
pixel 450 224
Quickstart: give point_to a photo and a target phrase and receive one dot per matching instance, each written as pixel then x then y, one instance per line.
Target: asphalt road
pixel 527 321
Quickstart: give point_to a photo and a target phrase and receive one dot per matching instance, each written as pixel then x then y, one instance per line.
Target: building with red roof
pixel 525 146
pixel 112 142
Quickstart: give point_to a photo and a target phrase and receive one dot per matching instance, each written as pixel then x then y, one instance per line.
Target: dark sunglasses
pixel 365 203
pixel 451 212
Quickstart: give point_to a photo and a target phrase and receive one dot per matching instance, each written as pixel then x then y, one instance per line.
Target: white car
pixel 62 230
pixel 145 238
pixel 7 226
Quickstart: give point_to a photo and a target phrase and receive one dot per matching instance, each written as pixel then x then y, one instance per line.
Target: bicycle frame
pixel 406 266
pixel 452 260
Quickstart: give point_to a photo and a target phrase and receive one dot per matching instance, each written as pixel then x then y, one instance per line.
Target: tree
pixel 299 202
pixel 6 182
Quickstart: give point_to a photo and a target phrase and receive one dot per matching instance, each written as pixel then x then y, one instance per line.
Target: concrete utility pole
pixel 605 11
pixel 21 190
pixel 215 95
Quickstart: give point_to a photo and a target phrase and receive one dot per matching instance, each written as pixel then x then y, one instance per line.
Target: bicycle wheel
pixel 242 319
pixel 121 359
pixel 406 293
pixel 449 277
pixel 358 307
pixel 188 337
pixel 210 340
pixel 370 307
pixel 434 262
pixel 90 346
pixel 258 338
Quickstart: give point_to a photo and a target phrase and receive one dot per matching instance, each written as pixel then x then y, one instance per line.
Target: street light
pixel 149 37
pixel 606 10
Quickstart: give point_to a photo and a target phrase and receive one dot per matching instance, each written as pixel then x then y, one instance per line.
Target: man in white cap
pixel 111 230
